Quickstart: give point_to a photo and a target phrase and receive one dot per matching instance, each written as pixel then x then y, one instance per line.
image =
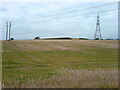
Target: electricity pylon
pixel 10 23
pixel 98 32
pixel 6 30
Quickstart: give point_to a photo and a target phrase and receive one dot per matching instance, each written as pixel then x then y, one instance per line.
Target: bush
pixel 37 37
pixel 96 38
pixel 12 39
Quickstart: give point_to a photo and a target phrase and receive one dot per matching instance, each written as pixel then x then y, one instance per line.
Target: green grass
pixel 29 61
pixel 38 65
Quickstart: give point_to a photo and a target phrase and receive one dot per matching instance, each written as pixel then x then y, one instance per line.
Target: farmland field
pixel 60 64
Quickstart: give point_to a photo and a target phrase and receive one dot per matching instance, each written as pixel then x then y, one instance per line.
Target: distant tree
pixel 109 39
pixel 12 39
pixel 83 38
pixel 96 38
pixel 37 37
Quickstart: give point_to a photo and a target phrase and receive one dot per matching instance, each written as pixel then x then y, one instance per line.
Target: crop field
pixel 60 64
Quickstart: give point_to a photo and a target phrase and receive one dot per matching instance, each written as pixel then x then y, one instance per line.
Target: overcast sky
pixel 59 19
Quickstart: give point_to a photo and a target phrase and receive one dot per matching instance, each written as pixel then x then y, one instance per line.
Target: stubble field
pixel 60 64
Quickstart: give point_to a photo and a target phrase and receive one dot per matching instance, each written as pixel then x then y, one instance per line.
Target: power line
pixel 58 20
pixel 78 15
pixel 72 11
pixel 80 9
pixel 74 7
pixel 63 10
pixel 89 13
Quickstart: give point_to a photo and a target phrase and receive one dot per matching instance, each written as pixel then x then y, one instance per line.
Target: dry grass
pixel 50 45
pixel 87 79
pixel 78 79
pixel 76 63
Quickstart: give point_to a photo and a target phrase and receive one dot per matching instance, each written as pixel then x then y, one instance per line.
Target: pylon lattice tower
pixel 8 29
pixel 98 32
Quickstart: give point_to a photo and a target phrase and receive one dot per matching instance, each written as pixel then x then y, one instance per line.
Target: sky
pixel 59 19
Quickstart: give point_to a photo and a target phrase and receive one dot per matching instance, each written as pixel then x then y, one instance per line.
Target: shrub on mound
pixel 37 37
pixel 12 39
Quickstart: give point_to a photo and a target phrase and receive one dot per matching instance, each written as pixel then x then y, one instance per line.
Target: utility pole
pixel 10 23
pixel 6 30
pixel 98 32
